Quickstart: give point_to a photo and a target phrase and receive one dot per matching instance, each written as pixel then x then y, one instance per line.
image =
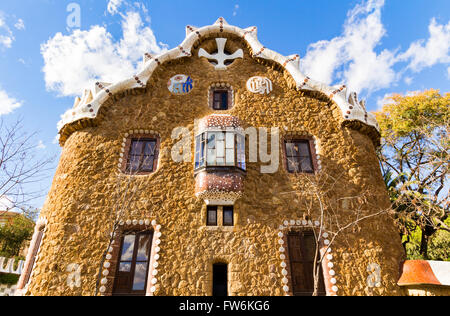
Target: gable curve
pixel 88 106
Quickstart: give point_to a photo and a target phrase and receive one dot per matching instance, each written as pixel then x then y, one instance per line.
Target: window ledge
pixel 219 228
pixel 224 169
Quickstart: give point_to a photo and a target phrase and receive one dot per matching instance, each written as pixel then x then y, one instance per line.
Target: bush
pixel 9 279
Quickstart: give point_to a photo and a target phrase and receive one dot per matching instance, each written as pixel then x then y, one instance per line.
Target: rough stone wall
pixel 80 203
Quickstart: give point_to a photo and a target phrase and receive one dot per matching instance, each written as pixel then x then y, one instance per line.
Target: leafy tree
pixel 13 236
pixel 414 157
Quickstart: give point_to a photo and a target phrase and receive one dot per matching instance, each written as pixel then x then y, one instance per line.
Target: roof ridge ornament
pixel 252 30
pixel 90 103
pixel 221 21
pixel 220 57
pixel 190 29
pixel 294 59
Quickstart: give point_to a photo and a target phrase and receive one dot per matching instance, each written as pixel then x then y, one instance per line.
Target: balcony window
pixel 220 149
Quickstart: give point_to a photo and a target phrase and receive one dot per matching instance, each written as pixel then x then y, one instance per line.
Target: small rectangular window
pixel 143 156
pixel 298 156
pixel 220 100
pixel 228 216
pixel 211 219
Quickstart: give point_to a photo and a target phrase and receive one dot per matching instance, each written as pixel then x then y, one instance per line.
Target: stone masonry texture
pixel 79 207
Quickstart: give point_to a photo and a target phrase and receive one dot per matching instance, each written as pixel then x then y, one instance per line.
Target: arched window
pixel 220 279
pixel 302 247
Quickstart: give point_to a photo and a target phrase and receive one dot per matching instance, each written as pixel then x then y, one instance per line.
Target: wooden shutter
pixel 133 261
pixel 301 246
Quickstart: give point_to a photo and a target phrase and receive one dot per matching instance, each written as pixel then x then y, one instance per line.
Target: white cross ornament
pixel 220 57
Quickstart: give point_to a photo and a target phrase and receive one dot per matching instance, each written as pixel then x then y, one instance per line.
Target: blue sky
pixel 376 47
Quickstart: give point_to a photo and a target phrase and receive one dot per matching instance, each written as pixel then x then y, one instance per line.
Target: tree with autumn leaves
pixel 414 157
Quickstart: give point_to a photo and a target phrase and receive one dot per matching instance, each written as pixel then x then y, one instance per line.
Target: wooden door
pixel 133 263
pixel 302 247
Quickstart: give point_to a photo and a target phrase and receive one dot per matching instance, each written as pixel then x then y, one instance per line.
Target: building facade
pixel 165 185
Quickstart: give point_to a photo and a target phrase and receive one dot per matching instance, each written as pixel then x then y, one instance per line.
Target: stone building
pixel 165 186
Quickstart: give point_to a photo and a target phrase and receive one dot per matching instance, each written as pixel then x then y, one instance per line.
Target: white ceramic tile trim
pixel 153 272
pixel 91 101
pixel 288 224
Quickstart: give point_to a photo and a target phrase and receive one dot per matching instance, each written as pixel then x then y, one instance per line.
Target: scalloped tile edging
pixel 155 256
pixel 330 277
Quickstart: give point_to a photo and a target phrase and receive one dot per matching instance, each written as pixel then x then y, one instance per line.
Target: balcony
pixel 219 159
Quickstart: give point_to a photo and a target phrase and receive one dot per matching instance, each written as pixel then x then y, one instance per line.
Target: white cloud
pixel 7 103
pixel 408 80
pixel 382 101
pixel 352 58
pixel 6 35
pixel 113 6
pixel 236 9
pixel 435 50
pixel 6 41
pixel 41 145
pixel 448 73
pixel 20 25
pixel 56 139
pixel 76 61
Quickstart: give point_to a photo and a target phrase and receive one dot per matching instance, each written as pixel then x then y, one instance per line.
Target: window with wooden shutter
pixel 34 251
pixel 133 264
pixel 302 248
pixel 299 156
pixel 228 216
pixel 142 156
pixel 211 216
pixel 220 101
pixel 221 98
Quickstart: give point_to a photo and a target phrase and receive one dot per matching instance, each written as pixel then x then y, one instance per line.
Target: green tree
pixel 13 236
pixel 414 157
